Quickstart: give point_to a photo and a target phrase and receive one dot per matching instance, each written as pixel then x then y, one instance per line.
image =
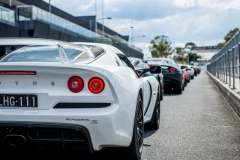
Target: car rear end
pixel 173 77
pixel 71 107
pixel 188 70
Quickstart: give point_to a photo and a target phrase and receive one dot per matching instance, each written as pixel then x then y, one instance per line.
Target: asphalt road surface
pixel 197 125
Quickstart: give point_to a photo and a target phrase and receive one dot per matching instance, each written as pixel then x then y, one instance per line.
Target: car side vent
pixel 82 105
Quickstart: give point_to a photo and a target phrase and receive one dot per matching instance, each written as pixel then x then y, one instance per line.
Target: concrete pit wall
pixel 230 95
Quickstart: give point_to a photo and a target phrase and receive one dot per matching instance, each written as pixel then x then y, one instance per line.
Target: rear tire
pixel 179 89
pixel 161 96
pixel 134 151
pixel 192 77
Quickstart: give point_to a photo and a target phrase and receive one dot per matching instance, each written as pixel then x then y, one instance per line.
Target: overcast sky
pixel 203 22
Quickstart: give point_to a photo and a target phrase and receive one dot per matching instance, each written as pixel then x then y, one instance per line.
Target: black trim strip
pixel 149 98
pixel 82 105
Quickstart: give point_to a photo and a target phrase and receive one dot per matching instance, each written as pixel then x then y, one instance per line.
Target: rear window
pixel 44 54
pixel 96 50
pixel 183 67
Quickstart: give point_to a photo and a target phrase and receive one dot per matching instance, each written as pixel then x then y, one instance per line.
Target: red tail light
pixel 96 85
pixel 75 84
pixel 172 70
pixel 150 65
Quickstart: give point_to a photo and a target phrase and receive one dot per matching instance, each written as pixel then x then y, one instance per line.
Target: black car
pixel 173 75
pixel 140 64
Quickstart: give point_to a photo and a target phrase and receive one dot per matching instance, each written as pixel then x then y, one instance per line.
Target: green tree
pixel 179 50
pixel 161 46
pixel 229 36
pixel 193 57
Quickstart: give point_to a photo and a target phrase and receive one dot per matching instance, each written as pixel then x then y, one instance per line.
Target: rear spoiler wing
pixel 40 41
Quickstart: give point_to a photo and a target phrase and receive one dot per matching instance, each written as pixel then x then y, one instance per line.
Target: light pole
pixel 90 27
pixel 102 24
pixel 137 37
pixel 49 7
pixel 118 29
pixel 102 19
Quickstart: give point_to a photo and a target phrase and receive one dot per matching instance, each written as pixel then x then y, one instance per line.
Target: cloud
pixel 203 22
pixel 86 7
pixel 185 3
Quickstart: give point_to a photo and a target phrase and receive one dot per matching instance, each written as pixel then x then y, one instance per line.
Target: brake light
pixel 75 84
pixel 17 73
pixel 172 70
pixel 96 85
pixel 150 65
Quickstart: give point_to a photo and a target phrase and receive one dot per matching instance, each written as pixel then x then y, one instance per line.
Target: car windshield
pixel 44 54
pixel 183 67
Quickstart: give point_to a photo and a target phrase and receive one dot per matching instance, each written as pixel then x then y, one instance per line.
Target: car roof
pixel 160 58
pixel 135 58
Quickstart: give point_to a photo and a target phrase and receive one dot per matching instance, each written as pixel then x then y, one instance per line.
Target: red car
pixel 195 70
pixel 198 69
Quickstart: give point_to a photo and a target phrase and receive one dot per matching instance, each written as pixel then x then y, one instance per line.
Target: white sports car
pixel 55 94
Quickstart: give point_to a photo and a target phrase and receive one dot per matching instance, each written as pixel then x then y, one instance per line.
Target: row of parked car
pixel 65 96
pixel 172 77
pixel 57 95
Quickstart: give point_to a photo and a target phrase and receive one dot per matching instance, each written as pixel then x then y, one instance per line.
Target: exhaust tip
pixel 14 140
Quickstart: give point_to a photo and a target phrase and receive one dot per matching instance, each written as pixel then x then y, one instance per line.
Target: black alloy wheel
pixel 161 92
pixel 140 126
pixel 134 151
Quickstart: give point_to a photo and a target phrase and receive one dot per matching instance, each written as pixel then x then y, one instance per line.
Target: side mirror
pixel 155 69
pixel 142 71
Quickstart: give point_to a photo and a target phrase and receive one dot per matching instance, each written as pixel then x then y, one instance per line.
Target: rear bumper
pixel 173 80
pixel 35 136
pixel 92 129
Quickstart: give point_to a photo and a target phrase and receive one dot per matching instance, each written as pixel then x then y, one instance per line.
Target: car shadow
pixel 106 153
pixel 148 133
